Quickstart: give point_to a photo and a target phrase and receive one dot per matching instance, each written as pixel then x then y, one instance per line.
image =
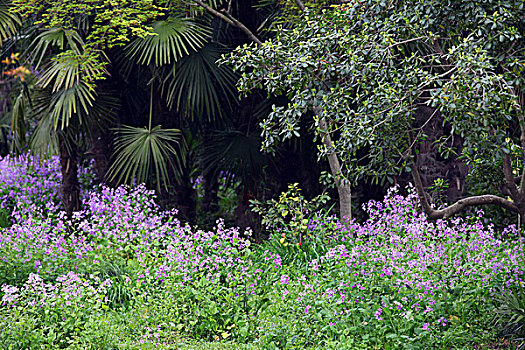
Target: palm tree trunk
pixel 70 187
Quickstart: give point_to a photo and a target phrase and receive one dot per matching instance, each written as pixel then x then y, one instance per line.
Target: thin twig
pixel 520 111
pixel 214 12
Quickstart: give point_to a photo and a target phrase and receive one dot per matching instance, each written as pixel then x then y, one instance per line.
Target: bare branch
pixel 214 12
pixel 413 139
pixel 230 20
pixel 406 41
pixel 521 121
pixel 242 27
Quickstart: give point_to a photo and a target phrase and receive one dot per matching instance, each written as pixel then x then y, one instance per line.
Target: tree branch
pixel 230 20
pixel 242 27
pixel 214 12
pixel 420 189
pixel 521 121
pixel 300 4
pixel 460 204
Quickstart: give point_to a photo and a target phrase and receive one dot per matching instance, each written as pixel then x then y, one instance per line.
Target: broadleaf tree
pixel 362 69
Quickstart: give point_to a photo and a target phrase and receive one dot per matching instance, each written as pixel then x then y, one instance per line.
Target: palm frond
pixel 63 39
pixel 139 150
pixel 510 311
pixel 5 127
pixel 60 75
pixel 75 101
pixel 196 83
pixel 18 122
pixel 5 120
pixel 169 41
pixel 105 108
pixel 8 21
pixel 44 139
pixel 236 153
pixel 69 69
pixel 54 110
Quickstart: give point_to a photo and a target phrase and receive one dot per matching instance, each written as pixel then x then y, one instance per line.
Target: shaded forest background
pixel 110 85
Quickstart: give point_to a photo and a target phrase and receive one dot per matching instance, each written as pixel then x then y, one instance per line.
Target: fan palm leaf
pixel 197 82
pixel 509 313
pixel 67 103
pixel 63 39
pixel 5 126
pixel 137 149
pixel 169 41
pixel 51 110
pixel 69 70
pixel 44 139
pixel 8 21
pixel 105 108
pixel 65 84
pixel 140 149
pixel 18 122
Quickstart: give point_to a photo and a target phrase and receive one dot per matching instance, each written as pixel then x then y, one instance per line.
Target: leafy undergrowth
pixel 126 275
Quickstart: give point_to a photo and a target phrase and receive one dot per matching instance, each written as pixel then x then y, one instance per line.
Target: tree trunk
pixel 70 188
pixel 100 152
pixel 343 187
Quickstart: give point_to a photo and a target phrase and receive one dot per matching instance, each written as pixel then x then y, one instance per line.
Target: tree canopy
pixel 367 67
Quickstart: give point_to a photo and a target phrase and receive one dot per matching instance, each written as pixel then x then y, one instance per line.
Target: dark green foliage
pixel 510 313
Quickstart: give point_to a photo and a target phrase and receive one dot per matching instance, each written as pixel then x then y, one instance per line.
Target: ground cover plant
pixel 125 274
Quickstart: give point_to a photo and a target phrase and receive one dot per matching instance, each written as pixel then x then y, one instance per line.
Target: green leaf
pixel 138 151
pixel 168 41
pixel 8 22
pixel 199 87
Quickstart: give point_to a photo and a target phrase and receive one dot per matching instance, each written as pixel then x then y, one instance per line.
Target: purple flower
pixel 307 308
pixel 285 279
